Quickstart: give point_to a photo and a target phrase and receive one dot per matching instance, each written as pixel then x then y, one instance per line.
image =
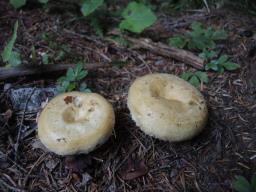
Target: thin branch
pixel 29 70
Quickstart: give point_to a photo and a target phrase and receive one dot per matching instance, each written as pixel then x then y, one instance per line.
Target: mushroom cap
pixel 75 122
pixel 167 107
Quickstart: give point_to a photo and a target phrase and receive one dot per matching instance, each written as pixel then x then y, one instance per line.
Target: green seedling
pixel 71 81
pixel 199 38
pixel 12 58
pixel 137 17
pixel 221 64
pixel 195 78
pixel 20 3
pixel 241 184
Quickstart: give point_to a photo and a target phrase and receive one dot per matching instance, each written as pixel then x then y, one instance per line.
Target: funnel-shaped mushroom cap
pixel 167 107
pixel 75 122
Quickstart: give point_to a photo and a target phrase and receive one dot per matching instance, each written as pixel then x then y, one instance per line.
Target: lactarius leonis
pixel 75 122
pixel 167 107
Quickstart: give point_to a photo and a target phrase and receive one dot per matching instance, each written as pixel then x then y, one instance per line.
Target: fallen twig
pixel 161 49
pixel 28 70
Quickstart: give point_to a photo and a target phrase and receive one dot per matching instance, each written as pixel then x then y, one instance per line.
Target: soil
pixel 130 160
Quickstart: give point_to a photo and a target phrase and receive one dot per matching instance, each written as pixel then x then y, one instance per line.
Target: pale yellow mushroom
pixel 75 122
pixel 167 107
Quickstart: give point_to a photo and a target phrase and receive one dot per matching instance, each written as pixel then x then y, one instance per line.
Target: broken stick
pixel 25 70
pixel 186 57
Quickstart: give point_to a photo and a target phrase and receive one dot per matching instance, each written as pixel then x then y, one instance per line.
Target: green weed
pixel 241 184
pixel 199 38
pixel 195 78
pixel 12 58
pixel 71 81
pixel 20 3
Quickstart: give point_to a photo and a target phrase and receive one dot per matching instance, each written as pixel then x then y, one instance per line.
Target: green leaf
pixel 95 24
pixel 83 88
pixel 194 81
pixel 253 183
pixel 197 27
pixel 81 75
pixel 220 70
pixel 78 68
pixel 70 75
pixel 61 79
pixel 208 33
pixel 45 58
pixel 186 75
pixel 70 82
pixel 241 184
pixel 17 3
pixel 212 66
pixel 79 72
pixel 197 43
pixel 137 17
pixel 230 66
pixel 206 54
pixel 201 38
pixel 202 76
pixel 89 6
pixel 72 86
pixel 63 85
pixel 223 59
pixel 61 54
pixel 15 59
pixel 178 41
pixel 219 35
pixel 6 54
pixel 43 1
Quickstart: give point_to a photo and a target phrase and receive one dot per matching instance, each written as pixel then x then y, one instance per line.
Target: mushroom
pixel 75 122
pixel 167 107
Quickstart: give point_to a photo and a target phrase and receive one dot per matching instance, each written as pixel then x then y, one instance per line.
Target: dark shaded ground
pixel 209 162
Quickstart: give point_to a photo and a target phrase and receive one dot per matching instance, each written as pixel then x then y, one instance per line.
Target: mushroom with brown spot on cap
pixel 75 122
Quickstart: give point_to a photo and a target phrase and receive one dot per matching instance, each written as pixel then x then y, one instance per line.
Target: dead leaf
pixel 7 115
pixel 93 188
pixel 78 163
pixel 68 99
pixel 133 169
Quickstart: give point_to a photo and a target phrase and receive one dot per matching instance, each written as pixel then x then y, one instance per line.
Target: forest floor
pixel 130 160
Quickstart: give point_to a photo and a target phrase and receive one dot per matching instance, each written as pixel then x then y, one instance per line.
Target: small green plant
pixel 101 14
pixel 137 17
pixel 204 40
pixel 89 6
pixel 221 64
pixel 195 78
pixel 12 58
pixel 60 50
pixel 207 54
pixel 217 64
pixel 72 80
pixel 20 3
pixel 45 58
pixel 199 38
pixel 241 184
